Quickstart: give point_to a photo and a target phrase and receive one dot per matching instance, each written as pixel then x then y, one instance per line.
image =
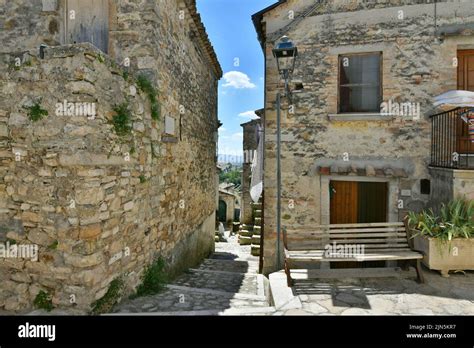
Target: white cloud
pixel 222 129
pixel 237 80
pixel 238 136
pixel 249 114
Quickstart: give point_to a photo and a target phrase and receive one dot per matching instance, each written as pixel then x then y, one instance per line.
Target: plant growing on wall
pixel 122 119
pixel 154 279
pixel 43 301
pixel 35 112
pixel 147 87
pixel 112 296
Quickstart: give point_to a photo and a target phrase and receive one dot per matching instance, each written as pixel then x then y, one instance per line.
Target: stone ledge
pixel 360 117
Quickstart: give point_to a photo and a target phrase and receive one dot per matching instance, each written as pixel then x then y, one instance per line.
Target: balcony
pixel 451 144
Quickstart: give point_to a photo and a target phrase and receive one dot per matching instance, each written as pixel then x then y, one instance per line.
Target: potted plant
pixel 445 239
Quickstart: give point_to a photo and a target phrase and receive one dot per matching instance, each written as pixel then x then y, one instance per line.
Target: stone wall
pixel 449 184
pixel 101 205
pixel 250 144
pixel 415 67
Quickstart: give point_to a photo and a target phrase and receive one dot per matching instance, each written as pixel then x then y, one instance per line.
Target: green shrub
pixel 122 119
pixel 43 301
pixel 455 220
pixel 110 299
pixel 147 87
pixel 36 113
pixel 154 279
pixel 142 178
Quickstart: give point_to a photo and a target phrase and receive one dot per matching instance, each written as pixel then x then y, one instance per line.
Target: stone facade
pixel 250 130
pixel 320 145
pixel 100 204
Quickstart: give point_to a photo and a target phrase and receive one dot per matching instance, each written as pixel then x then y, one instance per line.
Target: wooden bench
pixel 348 243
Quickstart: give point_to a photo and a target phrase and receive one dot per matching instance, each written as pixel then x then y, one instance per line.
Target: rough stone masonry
pixel 416 65
pixel 102 196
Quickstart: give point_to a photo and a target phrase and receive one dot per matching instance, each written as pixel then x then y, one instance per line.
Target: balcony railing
pixel 451 145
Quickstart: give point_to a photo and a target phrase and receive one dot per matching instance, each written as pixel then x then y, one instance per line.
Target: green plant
pixel 154 279
pixel 455 220
pixel 111 297
pixel 142 179
pixel 54 245
pixel 35 112
pixel 101 58
pixel 147 87
pixel 122 119
pixel 43 301
pixel 125 75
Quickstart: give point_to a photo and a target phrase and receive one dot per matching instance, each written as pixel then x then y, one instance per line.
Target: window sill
pixel 360 117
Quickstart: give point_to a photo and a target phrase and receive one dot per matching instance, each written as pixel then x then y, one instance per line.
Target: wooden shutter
pixel 343 208
pixel 89 22
pixel 466 83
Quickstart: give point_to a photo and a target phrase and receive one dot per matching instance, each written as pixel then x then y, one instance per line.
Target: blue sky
pixel 241 90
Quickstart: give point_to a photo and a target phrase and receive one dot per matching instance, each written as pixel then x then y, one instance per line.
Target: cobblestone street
pixel 227 283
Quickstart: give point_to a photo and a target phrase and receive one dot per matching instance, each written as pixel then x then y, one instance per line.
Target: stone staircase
pixel 227 283
pixel 251 234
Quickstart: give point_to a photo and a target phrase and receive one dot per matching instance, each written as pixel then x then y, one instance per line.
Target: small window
pixel 425 186
pixel 360 87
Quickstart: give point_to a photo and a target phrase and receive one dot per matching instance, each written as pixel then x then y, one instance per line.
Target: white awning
pixel 455 98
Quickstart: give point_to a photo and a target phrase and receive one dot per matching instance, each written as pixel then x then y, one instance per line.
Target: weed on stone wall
pixel 122 119
pixel 43 301
pixel 154 279
pixel 147 87
pixel 35 112
pixel 110 299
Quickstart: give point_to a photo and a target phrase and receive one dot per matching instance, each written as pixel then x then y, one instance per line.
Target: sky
pixel 241 90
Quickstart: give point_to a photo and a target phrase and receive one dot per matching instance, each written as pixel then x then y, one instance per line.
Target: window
pixel 360 87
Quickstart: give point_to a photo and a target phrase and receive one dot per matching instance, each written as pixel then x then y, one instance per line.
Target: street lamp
pixel 285 53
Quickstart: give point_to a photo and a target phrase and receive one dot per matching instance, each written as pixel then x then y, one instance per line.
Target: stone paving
pixel 387 296
pixel 226 283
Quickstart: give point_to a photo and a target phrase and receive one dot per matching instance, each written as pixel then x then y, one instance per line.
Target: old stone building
pixel 251 131
pixel 357 140
pixel 107 144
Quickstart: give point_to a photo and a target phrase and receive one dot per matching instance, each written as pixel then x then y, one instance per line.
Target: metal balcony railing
pixel 451 145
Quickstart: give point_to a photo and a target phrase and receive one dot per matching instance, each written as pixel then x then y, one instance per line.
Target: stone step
pixel 257 213
pixel 230 282
pixel 257 206
pixel 243 240
pixel 246 227
pixel 246 233
pixel 229 266
pixel 258 221
pixel 256 239
pixel 255 250
pixel 180 299
pixel 257 229
pixel 207 312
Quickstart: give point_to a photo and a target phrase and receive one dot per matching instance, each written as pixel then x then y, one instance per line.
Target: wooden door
pixel 358 202
pixel 465 83
pixel 372 202
pixel 88 21
pixel 343 207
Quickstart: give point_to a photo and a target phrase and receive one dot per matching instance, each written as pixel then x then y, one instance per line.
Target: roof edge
pixel 257 20
pixel 204 38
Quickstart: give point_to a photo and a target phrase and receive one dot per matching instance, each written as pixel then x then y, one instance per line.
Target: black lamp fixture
pixel 285 53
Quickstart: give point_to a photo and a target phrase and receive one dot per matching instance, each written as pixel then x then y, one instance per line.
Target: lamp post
pixel 285 53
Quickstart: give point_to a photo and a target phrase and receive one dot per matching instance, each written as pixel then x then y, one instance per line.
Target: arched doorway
pixel 222 211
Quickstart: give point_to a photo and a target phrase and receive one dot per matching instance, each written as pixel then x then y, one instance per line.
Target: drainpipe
pixel 278 154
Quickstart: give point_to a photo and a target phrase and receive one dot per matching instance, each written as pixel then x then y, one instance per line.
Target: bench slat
pixel 337 226
pixel 367 240
pixel 319 256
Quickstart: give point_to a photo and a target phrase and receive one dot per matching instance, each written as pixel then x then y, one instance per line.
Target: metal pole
pixel 278 104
